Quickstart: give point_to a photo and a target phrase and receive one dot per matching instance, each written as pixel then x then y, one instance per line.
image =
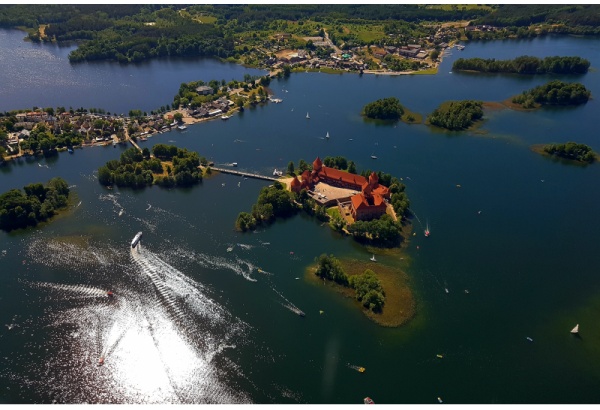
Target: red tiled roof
pixel 295 182
pixel 359 201
pixel 336 174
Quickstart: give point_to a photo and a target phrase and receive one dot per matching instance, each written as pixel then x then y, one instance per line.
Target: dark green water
pixel 195 323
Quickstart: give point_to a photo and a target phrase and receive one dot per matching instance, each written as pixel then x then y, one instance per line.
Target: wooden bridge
pixel 243 174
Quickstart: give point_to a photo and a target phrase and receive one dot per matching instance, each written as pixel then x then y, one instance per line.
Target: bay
pixel 194 323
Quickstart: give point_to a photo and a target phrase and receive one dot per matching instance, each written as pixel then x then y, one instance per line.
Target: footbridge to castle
pixel 243 174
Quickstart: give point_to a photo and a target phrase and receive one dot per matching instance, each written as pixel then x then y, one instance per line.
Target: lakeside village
pixel 63 130
pixel 417 54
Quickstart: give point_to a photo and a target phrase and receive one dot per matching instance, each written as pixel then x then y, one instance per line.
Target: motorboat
pixel 225 117
pixel 136 239
pixel 368 400
pixel 182 127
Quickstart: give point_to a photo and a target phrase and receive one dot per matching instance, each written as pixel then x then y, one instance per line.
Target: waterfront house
pixel 205 90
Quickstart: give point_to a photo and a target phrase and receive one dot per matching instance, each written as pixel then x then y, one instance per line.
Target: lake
pixel 192 322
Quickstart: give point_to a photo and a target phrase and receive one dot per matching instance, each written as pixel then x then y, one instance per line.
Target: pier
pixel 243 174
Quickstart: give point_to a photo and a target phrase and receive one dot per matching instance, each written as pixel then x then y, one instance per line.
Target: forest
pixel 553 93
pixel 137 169
pixel 525 65
pixel 36 203
pixel 384 109
pixel 456 115
pixel 368 289
pixel 572 151
pixel 130 33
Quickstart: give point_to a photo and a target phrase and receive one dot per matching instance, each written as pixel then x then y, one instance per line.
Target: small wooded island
pixel 37 204
pixel 381 292
pixel 570 151
pixel 171 166
pixel 553 93
pixel 524 65
pixel 390 109
pixel 456 115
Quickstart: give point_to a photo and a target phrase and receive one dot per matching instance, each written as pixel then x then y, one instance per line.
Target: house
pixel 282 36
pixel 421 54
pixel 205 90
pixel 379 53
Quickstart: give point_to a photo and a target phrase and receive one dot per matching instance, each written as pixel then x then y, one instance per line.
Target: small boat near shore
pixel 136 239
pixel 372 259
pixel 182 127
pixel 225 117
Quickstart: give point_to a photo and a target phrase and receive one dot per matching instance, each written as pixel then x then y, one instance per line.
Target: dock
pixel 243 174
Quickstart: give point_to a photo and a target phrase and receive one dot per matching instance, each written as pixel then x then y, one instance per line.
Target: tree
pixel 290 168
pixel 328 267
pixel 178 116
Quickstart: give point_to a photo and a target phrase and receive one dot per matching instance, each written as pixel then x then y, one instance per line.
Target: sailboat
pixel 575 330
pixel 327 136
pixel 373 258
pixel 307 116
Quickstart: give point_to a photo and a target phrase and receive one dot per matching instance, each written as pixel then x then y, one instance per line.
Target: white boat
pixel 373 258
pixel 136 239
pixel 234 164
pixel 307 116
pixel 225 117
pixel 373 156
pixel 427 232
pixel 181 127
pixel 327 136
pixel 575 330
pixel 277 173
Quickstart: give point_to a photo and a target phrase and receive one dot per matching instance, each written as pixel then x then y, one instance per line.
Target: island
pixel 552 93
pixel 571 151
pixel 371 207
pixel 389 109
pixel 456 115
pixel 37 204
pixel 167 166
pixel 524 65
pixel 380 291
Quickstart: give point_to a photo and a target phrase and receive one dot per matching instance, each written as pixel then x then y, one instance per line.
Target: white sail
pixel 575 329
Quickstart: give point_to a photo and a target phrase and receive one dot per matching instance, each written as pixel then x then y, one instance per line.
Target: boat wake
pixel 288 305
pixel 239 266
pixel 160 339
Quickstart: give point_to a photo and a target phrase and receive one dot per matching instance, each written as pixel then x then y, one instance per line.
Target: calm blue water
pixel 41 75
pixel 520 234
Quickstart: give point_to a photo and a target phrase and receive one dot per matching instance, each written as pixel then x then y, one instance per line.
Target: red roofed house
pixel 368 204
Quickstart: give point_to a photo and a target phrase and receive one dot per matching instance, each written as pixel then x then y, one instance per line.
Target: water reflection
pixel 159 339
